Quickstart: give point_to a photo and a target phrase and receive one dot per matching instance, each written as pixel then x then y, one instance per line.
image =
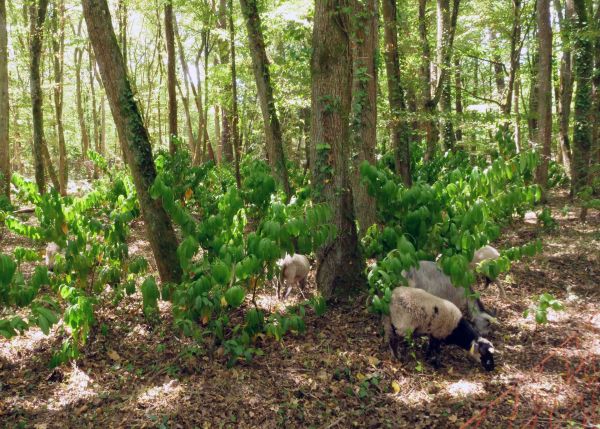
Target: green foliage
pixel 545 301
pixel 460 212
pixel 232 241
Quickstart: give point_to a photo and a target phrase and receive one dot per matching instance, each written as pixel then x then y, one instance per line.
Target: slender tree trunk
pixel 37 13
pixel 171 77
pixel 235 136
pixel 430 124
pixel 566 81
pixel 339 263
pixel 583 63
pixel 226 143
pixel 532 117
pixel 515 55
pixel 517 118
pixel 458 96
pixel 193 144
pixel 95 121
pixel 400 130
pixel 545 89
pixel 58 50
pixel 85 138
pixel 262 76
pixel 129 124
pixel 364 106
pixel 498 66
pixel 4 112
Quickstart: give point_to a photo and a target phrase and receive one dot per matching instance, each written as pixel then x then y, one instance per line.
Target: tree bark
pixel 532 117
pixel 515 55
pixel 566 81
pixel 458 96
pixel 129 125
pixel 85 138
pixel 171 77
pixel 262 77
pixel 544 90
pixel 583 63
pixel 235 136
pixel 430 124
pixel 400 128
pixel 364 106
pixel 226 143
pixel 5 171
pixel 339 263
pixel 58 50
pixel 37 13
pixel 95 121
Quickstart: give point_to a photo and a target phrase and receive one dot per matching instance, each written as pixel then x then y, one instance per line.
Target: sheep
pixel 294 269
pixel 430 278
pixel 487 253
pixel 52 249
pixel 414 310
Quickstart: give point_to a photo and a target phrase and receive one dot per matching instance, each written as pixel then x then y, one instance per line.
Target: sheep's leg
pixel 289 289
pixel 433 352
pixel 394 343
pixel 279 283
pixel 302 284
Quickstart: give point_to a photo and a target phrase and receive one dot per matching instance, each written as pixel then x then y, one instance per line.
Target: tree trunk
pixel 517 118
pixel 583 64
pixel 458 96
pixel 235 136
pixel 95 121
pixel 129 125
pixel 58 50
pixel 262 76
pixel 566 81
pixel 37 13
pixel 515 55
pixel 226 144
pixel 171 77
pixel 428 106
pixel 364 106
pixel 4 112
pixel 544 90
pixel 85 138
pixel 498 66
pixel 339 263
pixel 185 98
pixel 532 117
pixel 400 129
pixel 595 156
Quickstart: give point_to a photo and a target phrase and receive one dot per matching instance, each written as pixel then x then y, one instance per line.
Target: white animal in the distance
pixel 294 270
pixel 487 253
pixel 52 250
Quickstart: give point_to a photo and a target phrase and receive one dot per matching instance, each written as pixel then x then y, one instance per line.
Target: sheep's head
pixel 485 349
pixel 483 322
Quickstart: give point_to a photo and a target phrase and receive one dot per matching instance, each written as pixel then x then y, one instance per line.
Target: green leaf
pixel 235 296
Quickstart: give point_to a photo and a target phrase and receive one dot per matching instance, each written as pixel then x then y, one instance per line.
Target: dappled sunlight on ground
pixel 78 387
pixel 161 397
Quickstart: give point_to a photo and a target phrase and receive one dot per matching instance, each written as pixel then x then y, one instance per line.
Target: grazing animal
pixel 421 313
pixel 429 277
pixel 52 250
pixel 487 253
pixel 294 270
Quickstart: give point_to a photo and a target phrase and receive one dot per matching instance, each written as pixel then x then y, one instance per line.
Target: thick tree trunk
pixel 595 156
pixel 262 76
pixel 400 130
pixel 339 263
pixel 544 90
pixel 171 77
pixel 4 112
pixel 129 125
pixel 364 106
pixel 37 16
pixel 583 63
pixel 58 50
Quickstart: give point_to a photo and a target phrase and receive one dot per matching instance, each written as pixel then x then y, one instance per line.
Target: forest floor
pixel 338 374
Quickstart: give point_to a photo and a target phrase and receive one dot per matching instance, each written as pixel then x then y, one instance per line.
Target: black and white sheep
pixel 429 277
pixel 419 312
pixel 294 270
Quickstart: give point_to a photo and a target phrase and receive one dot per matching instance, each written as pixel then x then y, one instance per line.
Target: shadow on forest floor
pixel 338 374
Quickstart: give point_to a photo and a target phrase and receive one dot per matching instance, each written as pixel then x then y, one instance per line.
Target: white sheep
pixel 294 270
pixel 429 277
pixel 419 312
pixel 487 253
pixel 52 249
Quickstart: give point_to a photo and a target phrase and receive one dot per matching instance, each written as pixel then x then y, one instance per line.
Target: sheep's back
pixel 422 313
pixel 430 278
